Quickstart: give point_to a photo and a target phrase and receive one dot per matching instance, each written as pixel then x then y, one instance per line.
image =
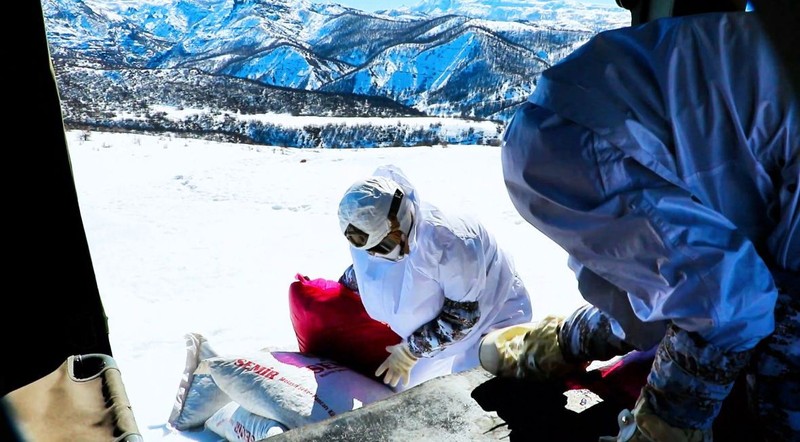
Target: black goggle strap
pixel 394 208
pixel 358 237
pixel 389 242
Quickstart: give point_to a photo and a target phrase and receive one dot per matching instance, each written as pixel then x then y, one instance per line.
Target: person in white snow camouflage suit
pixel 665 159
pixel 440 281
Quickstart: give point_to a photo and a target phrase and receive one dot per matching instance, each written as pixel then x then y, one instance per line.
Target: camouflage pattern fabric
pixel 773 377
pixel 705 376
pixel 348 279
pixel 644 425
pixel 452 324
pixel 586 335
pixel 690 378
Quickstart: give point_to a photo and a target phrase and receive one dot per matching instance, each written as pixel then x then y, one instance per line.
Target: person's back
pixel 665 158
pixel 700 101
pixel 676 97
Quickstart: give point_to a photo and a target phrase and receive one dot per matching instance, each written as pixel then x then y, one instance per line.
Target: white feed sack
pixel 235 424
pixel 292 388
pixel 198 397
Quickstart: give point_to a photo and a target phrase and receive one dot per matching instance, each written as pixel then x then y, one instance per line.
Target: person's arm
pixel 613 301
pixel 457 264
pixel 451 325
pixel 588 334
pixel 461 273
pixel 675 258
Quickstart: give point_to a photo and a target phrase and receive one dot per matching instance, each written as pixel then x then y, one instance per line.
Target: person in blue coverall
pixel 665 159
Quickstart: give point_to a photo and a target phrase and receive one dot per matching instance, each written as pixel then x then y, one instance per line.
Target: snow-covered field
pixel 197 236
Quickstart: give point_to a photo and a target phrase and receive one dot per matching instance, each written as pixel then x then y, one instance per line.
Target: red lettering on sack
pixel 260 370
pixel 244 363
pixel 242 432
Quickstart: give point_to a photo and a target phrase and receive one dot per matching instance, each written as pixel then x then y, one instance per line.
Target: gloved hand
pixel 398 365
pixel 688 382
pixel 527 351
pixel 644 425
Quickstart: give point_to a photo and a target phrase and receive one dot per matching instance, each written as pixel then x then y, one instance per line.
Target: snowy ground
pixel 196 236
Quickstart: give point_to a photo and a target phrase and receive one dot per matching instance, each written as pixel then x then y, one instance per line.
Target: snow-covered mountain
pixel 555 14
pixel 77 29
pixel 460 66
pixel 465 58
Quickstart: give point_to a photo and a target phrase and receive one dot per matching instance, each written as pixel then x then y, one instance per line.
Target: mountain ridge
pixel 447 65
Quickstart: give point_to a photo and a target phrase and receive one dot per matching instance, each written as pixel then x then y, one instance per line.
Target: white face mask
pixel 394 255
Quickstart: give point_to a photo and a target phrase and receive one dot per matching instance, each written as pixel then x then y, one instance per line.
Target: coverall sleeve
pixel 462 276
pixel 675 258
pixel 588 335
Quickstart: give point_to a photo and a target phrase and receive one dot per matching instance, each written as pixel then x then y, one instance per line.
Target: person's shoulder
pixel 688 26
pixel 433 224
pixel 458 226
pixel 431 220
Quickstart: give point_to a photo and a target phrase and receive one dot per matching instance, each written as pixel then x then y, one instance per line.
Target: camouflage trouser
pixel 773 376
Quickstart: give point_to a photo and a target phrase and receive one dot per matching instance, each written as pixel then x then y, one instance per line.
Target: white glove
pixel 398 365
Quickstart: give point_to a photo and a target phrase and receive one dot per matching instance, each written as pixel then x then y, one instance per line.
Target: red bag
pixel 621 381
pixel 330 321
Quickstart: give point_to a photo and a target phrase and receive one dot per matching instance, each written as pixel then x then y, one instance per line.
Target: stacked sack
pixel 254 396
pixel 251 397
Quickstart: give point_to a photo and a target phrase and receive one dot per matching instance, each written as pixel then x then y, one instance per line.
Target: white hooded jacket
pixel 450 257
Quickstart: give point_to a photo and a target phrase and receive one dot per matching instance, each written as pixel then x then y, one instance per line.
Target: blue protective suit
pixel 665 159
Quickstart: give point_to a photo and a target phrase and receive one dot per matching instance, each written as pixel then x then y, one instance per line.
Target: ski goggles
pixel 388 243
pixel 359 238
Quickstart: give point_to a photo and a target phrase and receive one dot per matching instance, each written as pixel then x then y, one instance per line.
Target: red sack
pixel 330 321
pixel 621 381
